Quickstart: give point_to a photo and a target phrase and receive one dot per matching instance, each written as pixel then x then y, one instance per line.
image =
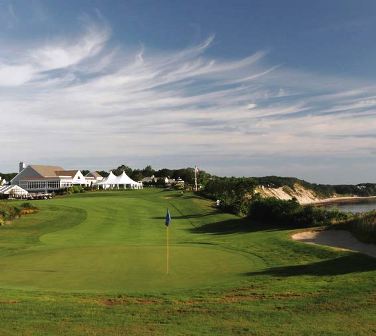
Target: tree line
pixel 186 174
pixel 7 176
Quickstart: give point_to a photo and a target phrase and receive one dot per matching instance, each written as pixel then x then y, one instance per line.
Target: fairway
pixel 115 242
pixel 95 264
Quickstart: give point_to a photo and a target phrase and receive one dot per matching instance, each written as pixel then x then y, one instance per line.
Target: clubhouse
pixel 42 178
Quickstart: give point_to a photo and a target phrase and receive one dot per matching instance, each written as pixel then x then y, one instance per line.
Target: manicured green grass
pixel 94 264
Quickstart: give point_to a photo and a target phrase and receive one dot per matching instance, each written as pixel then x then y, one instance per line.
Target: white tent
pixel 125 180
pixel 13 190
pixel 112 181
pixel 108 182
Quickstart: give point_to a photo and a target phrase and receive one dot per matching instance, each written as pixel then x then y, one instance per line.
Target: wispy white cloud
pixel 83 96
pixel 8 16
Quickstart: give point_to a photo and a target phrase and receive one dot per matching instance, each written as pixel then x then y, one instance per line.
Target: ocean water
pixel 354 207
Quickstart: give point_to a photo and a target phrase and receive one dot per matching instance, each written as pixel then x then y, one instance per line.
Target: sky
pixel 238 88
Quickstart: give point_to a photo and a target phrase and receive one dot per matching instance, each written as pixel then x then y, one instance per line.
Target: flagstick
pixel 167 252
pixel 196 188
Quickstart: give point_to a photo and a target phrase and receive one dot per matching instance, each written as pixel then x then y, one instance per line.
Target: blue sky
pixel 237 87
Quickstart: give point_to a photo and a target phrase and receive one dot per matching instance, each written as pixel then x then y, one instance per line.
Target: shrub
pixel 234 193
pixel 8 213
pixel 76 189
pixel 27 205
pixel 291 213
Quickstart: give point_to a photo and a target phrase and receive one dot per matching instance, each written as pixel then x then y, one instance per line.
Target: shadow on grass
pixel 353 263
pixel 236 225
pixel 187 216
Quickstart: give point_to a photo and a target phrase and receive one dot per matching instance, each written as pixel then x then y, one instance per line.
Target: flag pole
pixel 196 188
pixel 167 251
pixel 167 223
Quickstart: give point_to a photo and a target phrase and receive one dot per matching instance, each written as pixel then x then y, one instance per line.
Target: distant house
pixel 2 182
pixel 93 177
pixel 169 182
pixel 149 179
pixel 153 179
pixel 42 178
pixel 179 181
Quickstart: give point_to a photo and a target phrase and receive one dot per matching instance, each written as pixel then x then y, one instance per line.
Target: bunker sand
pixel 339 239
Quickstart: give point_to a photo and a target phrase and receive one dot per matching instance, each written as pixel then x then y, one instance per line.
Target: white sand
pixel 303 196
pixel 339 239
pixel 343 199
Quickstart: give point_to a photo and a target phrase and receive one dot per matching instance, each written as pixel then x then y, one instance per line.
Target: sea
pixel 360 207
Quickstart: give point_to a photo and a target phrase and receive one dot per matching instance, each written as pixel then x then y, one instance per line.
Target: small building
pixel 93 177
pixel 149 179
pixel 42 178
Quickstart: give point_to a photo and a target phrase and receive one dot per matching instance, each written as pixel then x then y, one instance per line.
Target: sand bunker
pixel 336 238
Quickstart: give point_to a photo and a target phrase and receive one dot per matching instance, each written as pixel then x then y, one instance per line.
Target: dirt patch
pixel 8 302
pixel 246 297
pixel 339 239
pixel 28 211
pixel 124 301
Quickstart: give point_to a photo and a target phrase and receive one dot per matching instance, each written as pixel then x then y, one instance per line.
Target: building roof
pixel 47 171
pixel 93 174
pixel 70 173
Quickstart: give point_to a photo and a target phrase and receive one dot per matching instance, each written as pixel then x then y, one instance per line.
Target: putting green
pixel 134 268
pixel 115 242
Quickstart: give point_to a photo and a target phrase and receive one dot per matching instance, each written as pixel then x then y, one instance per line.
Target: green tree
pixel 148 171
pixel 123 168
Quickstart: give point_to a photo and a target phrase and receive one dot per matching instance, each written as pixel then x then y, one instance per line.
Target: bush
pixel 27 205
pixel 8 213
pixel 291 213
pixel 234 193
pixel 76 189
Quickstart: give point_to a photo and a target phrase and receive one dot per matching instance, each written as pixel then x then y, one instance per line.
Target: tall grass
pixel 289 213
pixel 364 226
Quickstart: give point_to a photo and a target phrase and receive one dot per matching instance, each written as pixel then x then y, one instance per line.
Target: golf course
pixel 96 264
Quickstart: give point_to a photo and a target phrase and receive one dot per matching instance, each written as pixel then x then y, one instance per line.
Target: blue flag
pixel 168 218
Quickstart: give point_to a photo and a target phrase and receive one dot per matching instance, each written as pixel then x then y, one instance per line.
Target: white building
pixel 2 182
pixel 149 179
pixel 41 178
pixel 93 178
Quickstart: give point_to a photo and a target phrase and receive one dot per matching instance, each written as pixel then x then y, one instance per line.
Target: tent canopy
pixel 12 189
pixel 123 179
pixel 109 180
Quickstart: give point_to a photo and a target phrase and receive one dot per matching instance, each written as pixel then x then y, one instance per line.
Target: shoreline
pixel 343 200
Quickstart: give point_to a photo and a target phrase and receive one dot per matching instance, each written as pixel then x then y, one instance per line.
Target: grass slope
pixel 94 264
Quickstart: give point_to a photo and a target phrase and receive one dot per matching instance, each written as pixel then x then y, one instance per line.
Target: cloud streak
pixel 84 96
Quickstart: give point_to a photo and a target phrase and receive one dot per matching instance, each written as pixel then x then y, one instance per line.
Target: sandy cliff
pixel 303 195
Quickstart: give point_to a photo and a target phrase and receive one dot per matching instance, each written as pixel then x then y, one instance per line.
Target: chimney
pixel 21 167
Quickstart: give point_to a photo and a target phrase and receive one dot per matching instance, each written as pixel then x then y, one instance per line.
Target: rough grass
pixel 269 285
pixel 364 226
